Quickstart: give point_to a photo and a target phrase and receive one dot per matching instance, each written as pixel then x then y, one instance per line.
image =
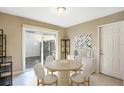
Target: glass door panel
pixel 49 47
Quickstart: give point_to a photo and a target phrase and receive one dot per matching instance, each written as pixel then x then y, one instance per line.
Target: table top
pixel 63 65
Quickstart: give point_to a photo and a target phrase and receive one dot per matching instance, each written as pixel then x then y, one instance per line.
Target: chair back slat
pixel 50 58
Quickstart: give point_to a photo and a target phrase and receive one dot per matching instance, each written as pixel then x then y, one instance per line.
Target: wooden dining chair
pixel 83 77
pixel 42 78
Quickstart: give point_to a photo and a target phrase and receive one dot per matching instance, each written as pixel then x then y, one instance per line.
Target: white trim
pixel 98 50
pixel 57 46
pixel 23 48
pixel 42 50
pixel 17 72
pixel 45 30
pixel 39 29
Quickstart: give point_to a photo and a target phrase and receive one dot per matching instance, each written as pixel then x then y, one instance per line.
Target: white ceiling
pixel 72 16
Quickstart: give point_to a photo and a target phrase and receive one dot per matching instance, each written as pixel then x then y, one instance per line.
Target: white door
pixel 111 50
pixel 106 51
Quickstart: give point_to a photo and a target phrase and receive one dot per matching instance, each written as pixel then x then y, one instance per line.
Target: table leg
pixel 63 78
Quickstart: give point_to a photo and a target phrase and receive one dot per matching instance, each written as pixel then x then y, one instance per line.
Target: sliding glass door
pixel 38 47
pixel 37 44
pixel 48 46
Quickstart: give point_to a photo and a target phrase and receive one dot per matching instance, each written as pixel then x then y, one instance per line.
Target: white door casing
pixel 122 50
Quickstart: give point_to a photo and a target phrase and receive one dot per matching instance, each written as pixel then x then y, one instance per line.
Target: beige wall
pixel 12 26
pixel 91 27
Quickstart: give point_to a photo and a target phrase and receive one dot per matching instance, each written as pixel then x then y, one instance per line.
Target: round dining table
pixel 63 67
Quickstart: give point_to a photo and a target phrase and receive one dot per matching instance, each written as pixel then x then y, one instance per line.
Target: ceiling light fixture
pixel 61 10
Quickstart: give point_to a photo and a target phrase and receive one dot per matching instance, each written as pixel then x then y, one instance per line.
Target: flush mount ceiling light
pixel 61 10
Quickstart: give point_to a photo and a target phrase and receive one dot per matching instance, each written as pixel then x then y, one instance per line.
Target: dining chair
pixel 49 58
pixel 78 59
pixel 42 78
pixel 84 77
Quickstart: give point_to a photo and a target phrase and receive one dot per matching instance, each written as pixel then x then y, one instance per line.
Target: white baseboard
pixel 17 72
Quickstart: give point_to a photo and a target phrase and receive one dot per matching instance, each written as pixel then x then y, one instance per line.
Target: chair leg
pixel 71 83
pixel 37 82
pixel 56 83
pixel 88 81
pixel 84 83
pixel 78 84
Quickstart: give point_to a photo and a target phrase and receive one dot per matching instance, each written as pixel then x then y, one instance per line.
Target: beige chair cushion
pixel 77 78
pixel 50 79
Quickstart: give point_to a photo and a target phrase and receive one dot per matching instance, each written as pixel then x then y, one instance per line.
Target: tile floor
pixel 28 79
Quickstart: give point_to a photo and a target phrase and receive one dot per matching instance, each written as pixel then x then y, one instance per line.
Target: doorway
pixel 111 47
pixel 37 45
